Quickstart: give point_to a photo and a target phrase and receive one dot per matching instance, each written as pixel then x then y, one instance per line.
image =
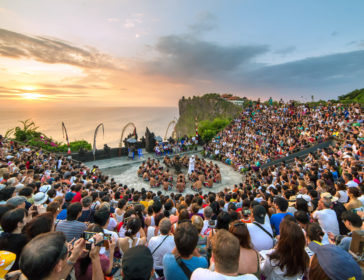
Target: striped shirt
pixel 71 229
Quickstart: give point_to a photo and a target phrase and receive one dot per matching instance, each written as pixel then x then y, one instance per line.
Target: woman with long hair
pixel 288 260
pixel 120 211
pixel 133 227
pixel 315 234
pixel 40 224
pixel 249 258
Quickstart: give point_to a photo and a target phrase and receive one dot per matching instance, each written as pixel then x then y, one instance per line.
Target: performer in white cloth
pixel 191 165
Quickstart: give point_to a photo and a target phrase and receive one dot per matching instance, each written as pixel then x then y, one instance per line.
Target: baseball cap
pixel 7 259
pixel 259 213
pixel 336 262
pixel 137 263
pixel 69 196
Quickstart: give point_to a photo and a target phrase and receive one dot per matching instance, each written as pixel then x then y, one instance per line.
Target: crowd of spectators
pixel 60 219
pixel 265 133
pixel 174 147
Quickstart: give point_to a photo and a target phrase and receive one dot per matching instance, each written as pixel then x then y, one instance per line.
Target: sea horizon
pixel 81 122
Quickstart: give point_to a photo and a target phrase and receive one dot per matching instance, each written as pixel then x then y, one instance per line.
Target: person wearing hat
pixel 7 260
pixel 45 188
pixel 327 217
pixel 137 264
pixel 40 198
pixel 260 230
pixel 291 204
pixel 331 262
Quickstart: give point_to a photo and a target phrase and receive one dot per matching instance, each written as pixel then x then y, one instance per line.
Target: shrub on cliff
pixel 208 129
pixel 28 133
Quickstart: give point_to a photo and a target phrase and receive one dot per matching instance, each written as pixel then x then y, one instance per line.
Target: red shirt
pixel 77 197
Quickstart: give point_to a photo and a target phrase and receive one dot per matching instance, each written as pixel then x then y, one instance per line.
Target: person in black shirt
pixel 12 240
pixel 87 213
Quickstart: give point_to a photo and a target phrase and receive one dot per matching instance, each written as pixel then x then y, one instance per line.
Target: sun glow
pixel 33 96
pixel 28 88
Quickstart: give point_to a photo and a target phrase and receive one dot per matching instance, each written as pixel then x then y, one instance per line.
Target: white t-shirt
pixel 343 196
pixel 166 247
pixel 150 232
pixel 260 239
pixel 327 220
pixel 114 236
pixel 205 274
pixel 271 270
pixel 206 225
pixel 112 224
pixel 361 199
pixel 352 184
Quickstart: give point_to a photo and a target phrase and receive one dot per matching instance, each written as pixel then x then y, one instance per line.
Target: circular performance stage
pixel 127 175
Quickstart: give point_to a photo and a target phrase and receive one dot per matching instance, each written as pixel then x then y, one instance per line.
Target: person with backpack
pixel 184 259
pixel 161 244
pixel 260 230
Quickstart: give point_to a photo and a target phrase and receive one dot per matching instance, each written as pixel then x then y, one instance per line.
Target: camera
pixel 88 236
pixel 35 210
pixel 212 223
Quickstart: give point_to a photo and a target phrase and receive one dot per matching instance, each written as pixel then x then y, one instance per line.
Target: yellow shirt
pixel 144 203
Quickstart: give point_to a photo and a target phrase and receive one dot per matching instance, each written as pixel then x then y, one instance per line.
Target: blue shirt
pixel 345 243
pixel 276 220
pixel 172 271
pixel 62 215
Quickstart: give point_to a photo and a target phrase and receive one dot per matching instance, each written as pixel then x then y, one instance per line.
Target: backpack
pixel 339 208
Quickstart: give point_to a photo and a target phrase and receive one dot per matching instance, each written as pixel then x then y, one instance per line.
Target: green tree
pixel 23 133
pixel 29 134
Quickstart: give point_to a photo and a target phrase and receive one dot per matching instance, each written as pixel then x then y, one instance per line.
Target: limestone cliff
pixel 206 107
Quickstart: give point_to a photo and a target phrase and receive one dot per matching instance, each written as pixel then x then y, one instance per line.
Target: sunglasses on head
pixel 239 224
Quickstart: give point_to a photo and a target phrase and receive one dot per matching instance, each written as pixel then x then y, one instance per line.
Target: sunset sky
pixel 152 52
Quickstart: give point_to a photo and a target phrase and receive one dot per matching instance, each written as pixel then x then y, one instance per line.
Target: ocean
pixel 82 122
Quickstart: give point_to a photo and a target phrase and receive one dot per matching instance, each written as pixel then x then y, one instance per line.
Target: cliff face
pixel 207 107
